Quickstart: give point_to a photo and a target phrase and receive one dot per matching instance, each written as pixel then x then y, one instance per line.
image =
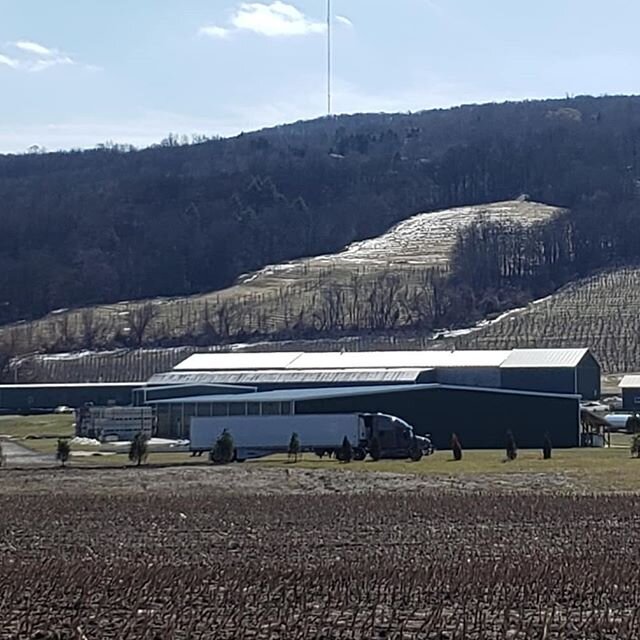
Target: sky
pixel 77 73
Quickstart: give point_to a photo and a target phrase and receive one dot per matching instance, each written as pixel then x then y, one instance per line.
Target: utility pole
pixel 329 21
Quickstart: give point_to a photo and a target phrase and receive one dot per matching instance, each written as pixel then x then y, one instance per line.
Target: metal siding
pixel 164 393
pixel 479 419
pixel 269 380
pixel 49 397
pixel 488 377
pixel 588 374
pixel 552 380
pixel 629 396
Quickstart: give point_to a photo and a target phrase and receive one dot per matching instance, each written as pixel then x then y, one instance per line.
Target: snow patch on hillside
pixel 425 239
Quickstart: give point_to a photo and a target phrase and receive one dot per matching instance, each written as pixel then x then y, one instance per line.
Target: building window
pixel 237 408
pixel 253 409
pixel 285 408
pixel 220 409
pixel 270 408
pixel 204 409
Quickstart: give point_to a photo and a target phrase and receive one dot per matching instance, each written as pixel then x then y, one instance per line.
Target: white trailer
pixel 258 436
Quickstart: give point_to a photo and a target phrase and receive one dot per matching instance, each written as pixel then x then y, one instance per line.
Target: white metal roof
pixel 525 358
pixel 237 361
pixel 628 382
pixel 398 359
pixel 341 360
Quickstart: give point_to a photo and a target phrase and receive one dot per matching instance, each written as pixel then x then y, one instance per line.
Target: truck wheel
pixel 416 455
pixel 359 454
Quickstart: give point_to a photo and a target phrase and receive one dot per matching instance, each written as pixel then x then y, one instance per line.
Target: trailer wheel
pixel 359 454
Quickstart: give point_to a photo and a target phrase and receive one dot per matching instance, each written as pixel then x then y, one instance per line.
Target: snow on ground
pixel 425 239
pixel 84 442
pixel 88 454
pixel 153 442
pixel 80 441
pixel 483 324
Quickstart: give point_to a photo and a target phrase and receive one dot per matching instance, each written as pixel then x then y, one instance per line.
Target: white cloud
pixel 9 62
pixel 32 56
pixel 215 32
pixel 272 20
pixel 344 20
pixel 35 48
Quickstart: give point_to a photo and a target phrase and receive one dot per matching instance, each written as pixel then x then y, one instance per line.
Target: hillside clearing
pixel 359 287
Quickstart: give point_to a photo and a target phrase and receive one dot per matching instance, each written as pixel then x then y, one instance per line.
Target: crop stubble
pixel 211 564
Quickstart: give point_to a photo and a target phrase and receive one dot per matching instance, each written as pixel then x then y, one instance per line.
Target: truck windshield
pixel 402 423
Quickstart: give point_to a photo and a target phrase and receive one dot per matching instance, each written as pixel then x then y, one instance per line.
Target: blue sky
pixel 74 73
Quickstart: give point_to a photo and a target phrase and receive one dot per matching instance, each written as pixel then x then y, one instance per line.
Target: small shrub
pixel 511 447
pixel 546 447
pixel 294 447
pixel 138 451
pixel 633 423
pixel 63 451
pixel 456 448
pixel 346 451
pixel 222 452
pixel 635 446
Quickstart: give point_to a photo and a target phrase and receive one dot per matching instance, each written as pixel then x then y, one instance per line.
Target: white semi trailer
pixel 259 436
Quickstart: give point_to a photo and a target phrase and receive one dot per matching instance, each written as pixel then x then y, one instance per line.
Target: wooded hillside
pixel 95 227
pixel 112 224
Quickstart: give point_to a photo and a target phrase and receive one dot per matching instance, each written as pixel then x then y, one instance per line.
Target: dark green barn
pixel 32 398
pixel 573 371
pixel 480 417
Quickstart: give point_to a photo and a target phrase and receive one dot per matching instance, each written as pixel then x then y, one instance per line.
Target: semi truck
pixel 322 434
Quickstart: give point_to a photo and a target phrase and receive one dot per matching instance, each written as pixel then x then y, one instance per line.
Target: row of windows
pixel 228 409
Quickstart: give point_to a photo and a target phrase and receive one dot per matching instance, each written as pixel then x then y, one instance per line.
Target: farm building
pixel 630 387
pixel 557 370
pixel 480 417
pixel 564 371
pixel 31 398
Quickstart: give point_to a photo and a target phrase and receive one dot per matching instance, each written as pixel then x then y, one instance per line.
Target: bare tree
pixel 92 328
pixel 5 361
pixel 383 299
pixel 218 325
pixel 138 321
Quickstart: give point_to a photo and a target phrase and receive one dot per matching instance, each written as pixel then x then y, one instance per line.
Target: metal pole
pixel 328 57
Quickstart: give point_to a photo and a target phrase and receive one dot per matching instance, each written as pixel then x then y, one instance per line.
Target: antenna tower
pixel 329 24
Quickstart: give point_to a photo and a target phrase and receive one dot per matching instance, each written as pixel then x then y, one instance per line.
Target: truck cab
pixel 395 437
